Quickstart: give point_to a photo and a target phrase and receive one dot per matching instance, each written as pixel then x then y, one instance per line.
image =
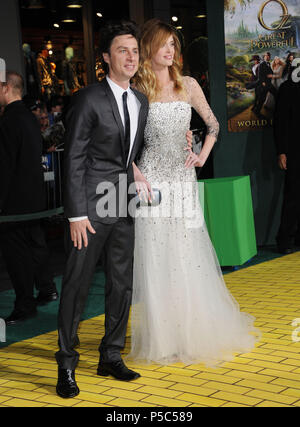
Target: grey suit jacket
pixel 95 153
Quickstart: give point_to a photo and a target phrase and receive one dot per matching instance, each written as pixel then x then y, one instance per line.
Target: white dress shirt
pixel 254 69
pixel 134 107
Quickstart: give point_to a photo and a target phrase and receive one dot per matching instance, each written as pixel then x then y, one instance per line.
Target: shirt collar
pixel 117 90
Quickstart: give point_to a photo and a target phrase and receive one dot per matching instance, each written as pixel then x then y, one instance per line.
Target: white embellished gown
pixel 181 308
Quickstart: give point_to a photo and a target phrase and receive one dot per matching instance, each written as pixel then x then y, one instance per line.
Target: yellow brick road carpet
pixel 268 376
pixel 46 320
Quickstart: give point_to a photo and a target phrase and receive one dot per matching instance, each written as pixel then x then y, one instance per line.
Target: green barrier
pixel 228 213
pixel 31 217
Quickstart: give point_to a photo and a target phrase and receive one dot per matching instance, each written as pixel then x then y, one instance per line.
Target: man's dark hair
pixel 15 81
pixel 288 57
pixel 114 29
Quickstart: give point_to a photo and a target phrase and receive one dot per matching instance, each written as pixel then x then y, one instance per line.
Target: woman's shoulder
pixel 190 81
pixel 191 85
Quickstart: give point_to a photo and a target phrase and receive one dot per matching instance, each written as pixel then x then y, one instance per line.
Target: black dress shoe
pixel 284 250
pixel 44 298
pixel 18 316
pixel 66 384
pixel 118 370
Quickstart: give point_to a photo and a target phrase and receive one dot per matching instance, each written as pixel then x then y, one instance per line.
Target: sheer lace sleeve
pixel 198 101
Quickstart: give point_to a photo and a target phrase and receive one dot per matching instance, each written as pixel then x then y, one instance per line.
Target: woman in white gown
pixel 277 68
pixel 181 309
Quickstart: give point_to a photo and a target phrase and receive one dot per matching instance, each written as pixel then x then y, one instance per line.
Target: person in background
pixel 286 128
pixel 34 105
pixel 56 107
pixel 31 74
pixel 288 66
pixel 277 68
pixel 252 84
pixel 44 120
pixel 22 243
pixel 45 73
pixel 52 126
pixel 264 84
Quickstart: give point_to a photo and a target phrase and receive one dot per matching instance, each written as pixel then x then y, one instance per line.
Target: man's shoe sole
pixel 70 396
pixel 47 301
pixel 104 373
pixel 285 251
pixel 16 322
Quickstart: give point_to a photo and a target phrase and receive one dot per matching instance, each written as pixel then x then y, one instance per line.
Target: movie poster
pixel 261 40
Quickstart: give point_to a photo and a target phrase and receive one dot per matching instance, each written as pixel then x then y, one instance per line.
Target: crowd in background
pixel 50 116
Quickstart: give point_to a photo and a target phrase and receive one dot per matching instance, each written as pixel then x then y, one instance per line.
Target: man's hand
pixel 282 161
pixel 79 233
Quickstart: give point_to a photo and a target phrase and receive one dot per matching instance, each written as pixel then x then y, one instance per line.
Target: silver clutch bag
pixel 198 136
pixel 155 202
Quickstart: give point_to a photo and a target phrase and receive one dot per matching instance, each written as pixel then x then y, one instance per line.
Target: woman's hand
pixel 189 139
pixel 194 161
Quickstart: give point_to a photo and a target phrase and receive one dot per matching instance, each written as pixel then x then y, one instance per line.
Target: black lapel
pixel 116 113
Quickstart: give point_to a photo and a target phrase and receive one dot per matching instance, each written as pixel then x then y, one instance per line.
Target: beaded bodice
pixel 169 120
pixel 163 157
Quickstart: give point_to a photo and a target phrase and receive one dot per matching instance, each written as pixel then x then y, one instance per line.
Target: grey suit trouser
pixel 116 243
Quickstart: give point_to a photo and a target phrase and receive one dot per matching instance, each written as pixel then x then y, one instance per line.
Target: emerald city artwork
pixel 262 38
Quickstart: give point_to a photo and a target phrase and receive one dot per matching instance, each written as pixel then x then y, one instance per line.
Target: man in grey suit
pixel 105 130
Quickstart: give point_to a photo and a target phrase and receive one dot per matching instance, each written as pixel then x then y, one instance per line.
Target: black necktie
pixel 127 125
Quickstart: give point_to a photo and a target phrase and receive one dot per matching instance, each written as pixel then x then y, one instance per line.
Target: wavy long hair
pixel 281 62
pixel 155 33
